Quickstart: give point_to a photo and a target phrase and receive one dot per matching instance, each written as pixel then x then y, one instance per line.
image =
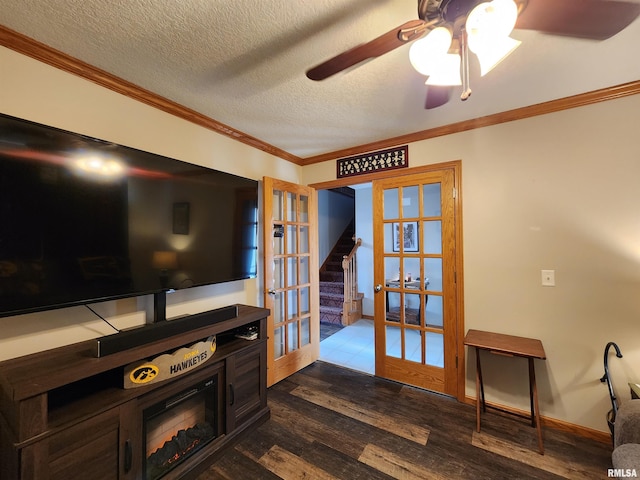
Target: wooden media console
pixel 64 413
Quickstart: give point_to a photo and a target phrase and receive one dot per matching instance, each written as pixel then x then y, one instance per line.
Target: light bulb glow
pixel 488 27
pixel 98 167
pixel 491 20
pixel 424 53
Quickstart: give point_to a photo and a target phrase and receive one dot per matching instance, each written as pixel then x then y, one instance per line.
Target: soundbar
pixel 127 339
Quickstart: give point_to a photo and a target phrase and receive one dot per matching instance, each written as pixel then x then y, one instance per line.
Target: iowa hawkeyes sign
pixel 169 365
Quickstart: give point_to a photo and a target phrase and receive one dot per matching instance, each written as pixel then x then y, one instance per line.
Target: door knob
pixel 271 291
pixel 378 287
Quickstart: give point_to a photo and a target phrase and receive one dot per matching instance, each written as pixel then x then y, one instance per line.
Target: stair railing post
pixel 349 305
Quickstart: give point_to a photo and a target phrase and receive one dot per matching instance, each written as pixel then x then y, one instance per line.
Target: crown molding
pixel 580 100
pixel 55 58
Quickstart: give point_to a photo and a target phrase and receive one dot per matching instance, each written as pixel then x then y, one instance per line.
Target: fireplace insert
pixel 178 427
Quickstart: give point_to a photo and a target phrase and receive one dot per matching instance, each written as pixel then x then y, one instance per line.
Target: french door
pixel 290 277
pixel 414 276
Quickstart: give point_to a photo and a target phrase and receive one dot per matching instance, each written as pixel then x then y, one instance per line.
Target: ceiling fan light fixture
pixel 446 71
pixel 488 28
pixel 425 54
pixel 491 20
pixel 491 54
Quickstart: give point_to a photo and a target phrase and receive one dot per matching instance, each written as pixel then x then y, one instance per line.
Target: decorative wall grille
pixel 371 162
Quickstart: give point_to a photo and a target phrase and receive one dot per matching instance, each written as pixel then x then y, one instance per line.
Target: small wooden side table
pixel 510 346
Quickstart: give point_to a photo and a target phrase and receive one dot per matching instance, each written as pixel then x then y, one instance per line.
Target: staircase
pixel 332 280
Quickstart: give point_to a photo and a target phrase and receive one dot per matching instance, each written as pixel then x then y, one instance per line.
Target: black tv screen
pixel 84 220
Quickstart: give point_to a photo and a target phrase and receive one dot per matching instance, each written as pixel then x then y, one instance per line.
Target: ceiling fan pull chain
pixel 464 51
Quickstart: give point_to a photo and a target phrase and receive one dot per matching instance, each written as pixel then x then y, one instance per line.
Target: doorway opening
pixel 344 213
pixel 411 327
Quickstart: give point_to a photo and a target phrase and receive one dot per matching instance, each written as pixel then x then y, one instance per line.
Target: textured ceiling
pixel 243 63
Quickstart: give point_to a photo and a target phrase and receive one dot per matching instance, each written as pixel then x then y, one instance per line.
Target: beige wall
pixel 561 192
pixel 37 92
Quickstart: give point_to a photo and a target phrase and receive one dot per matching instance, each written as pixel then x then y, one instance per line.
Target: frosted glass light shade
pixel 491 20
pixel 491 54
pixel 425 53
pixel 447 71
pixel 488 27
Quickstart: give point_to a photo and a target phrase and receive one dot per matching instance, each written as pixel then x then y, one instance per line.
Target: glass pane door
pixel 414 274
pixel 290 273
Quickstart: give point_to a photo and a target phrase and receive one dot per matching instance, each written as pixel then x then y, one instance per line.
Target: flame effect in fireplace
pixel 183 444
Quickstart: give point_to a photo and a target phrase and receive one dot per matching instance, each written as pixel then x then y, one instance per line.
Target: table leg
pixel 532 386
pixel 535 409
pixel 484 404
pixel 479 390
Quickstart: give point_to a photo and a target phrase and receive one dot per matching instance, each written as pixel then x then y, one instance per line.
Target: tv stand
pixel 64 410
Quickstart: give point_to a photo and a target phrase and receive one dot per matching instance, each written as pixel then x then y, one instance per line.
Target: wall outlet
pixel 548 278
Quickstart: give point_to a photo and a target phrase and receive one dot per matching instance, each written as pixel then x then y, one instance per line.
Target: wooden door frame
pixel 456 167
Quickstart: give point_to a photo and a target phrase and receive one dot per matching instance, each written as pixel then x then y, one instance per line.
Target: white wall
pixel 34 91
pixel 364 254
pixel 562 192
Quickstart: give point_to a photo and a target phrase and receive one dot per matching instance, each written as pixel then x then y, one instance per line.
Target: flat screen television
pixel 85 220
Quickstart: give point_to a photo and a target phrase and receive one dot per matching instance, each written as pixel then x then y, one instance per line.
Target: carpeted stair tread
pixel 339 295
pixel 328 276
pixel 334 266
pixel 331 299
pixel 331 287
pixel 332 280
pixel 331 315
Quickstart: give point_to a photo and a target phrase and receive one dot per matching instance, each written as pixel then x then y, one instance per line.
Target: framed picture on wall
pixel 408 236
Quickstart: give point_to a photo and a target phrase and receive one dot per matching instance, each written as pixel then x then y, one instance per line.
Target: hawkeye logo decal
pixel 144 373
pixel 169 365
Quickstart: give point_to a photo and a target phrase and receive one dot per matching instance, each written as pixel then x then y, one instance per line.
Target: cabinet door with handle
pixel 88 448
pixel 246 388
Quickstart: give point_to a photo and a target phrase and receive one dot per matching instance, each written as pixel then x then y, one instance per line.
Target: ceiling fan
pixel 591 19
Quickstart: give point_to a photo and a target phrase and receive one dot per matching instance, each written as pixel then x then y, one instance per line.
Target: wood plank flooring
pixel 328 422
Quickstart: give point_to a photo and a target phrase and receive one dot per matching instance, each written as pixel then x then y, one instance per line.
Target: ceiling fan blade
pixel 437 96
pixel 376 47
pixel 594 19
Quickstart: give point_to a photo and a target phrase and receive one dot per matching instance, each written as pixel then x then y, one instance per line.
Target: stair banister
pixel 352 308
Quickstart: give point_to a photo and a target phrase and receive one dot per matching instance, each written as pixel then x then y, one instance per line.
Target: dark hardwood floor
pixel 328 422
